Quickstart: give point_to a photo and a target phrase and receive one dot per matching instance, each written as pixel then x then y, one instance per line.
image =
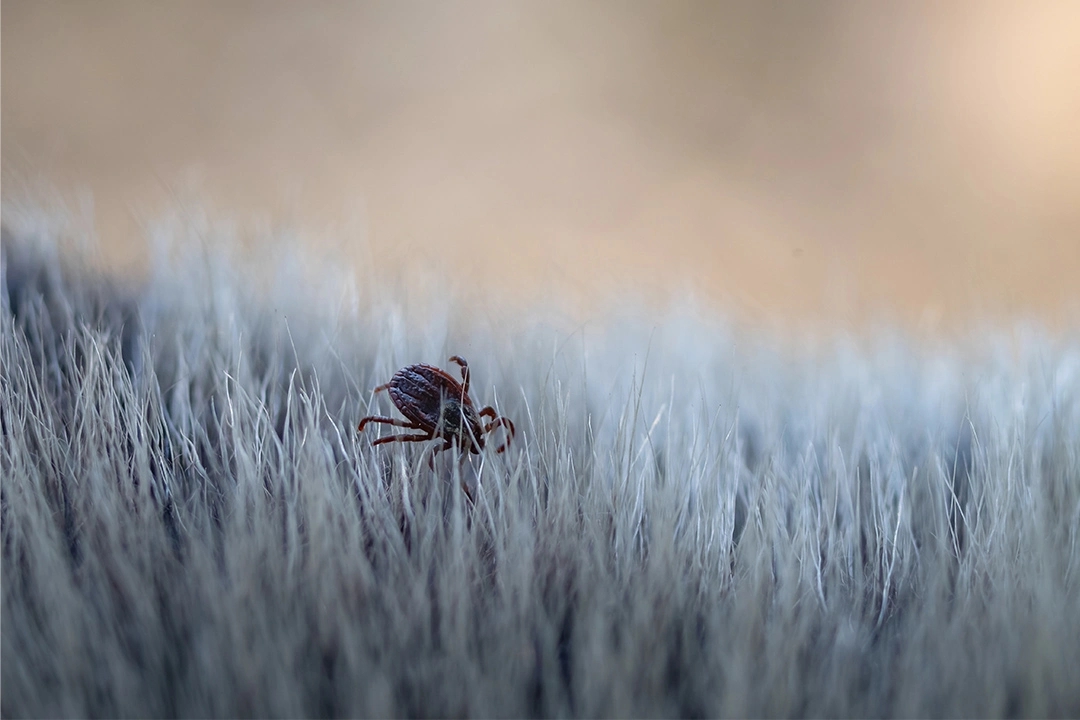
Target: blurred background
pixel 835 162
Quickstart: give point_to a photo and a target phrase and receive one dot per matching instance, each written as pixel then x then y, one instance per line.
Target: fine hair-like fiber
pixel 690 522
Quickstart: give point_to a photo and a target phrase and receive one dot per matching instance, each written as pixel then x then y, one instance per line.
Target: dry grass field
pixel 692 521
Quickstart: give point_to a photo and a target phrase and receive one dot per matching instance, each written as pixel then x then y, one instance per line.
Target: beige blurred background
pixel 808 161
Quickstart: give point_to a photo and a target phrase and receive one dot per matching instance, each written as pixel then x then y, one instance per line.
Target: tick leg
pixel 496 421
pixel 503 422
pixel 468 490
pixel 464 370
pixel 387 421
pixel 431 458
pixel 401 438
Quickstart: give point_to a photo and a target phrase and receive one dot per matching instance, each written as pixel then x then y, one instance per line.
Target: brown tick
pixel 439 406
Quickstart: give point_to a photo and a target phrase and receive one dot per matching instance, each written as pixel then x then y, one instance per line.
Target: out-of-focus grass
pixel 690 522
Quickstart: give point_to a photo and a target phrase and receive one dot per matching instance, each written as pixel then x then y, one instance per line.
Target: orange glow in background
pixel 826 161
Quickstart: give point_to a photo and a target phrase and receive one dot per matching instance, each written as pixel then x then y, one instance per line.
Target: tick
pixel 439 406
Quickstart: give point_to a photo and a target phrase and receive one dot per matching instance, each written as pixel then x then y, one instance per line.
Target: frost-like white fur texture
pixel 691 521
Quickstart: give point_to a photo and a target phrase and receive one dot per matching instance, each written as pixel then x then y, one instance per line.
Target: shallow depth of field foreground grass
pixel 690 522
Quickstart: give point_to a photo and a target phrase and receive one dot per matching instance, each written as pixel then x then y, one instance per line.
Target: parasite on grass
pixel 438 406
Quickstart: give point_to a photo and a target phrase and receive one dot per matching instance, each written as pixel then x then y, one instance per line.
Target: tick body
pixel 438 406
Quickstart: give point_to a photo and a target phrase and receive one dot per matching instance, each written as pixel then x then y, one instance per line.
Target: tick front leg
pixel 387 421
pixel 496 421
pixel 402 438
pixel 464 370
pixel 431 458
